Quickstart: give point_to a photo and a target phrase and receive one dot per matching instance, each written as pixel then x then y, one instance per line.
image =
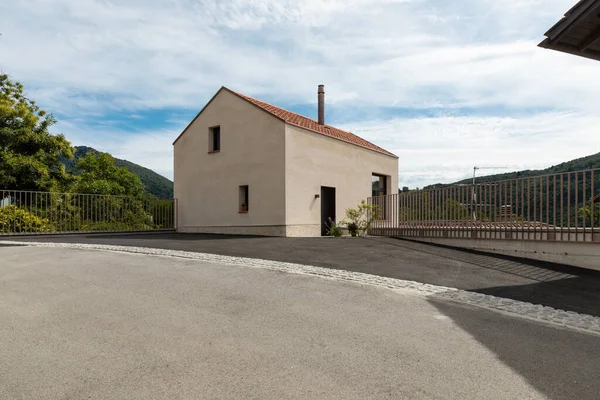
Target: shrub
pixel 18 220
pixel 361 217
pixel 334 229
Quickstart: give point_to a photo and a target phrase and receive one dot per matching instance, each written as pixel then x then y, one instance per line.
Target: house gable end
pixel 222 89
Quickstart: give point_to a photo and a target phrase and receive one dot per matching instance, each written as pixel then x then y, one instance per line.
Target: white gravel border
pixel 537 312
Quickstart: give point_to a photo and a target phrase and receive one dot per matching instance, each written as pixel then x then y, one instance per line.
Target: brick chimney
pixel 321 93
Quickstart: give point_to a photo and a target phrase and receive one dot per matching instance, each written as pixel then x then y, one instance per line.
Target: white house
pixel 243 166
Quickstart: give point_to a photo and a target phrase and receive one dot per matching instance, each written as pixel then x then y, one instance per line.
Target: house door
pixel 327 207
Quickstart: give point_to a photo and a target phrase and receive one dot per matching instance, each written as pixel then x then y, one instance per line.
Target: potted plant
pixel 244 207
pixel 353 229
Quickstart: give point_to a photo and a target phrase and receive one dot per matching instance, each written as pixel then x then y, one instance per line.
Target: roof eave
pixel 580 10
pixel 384 152
pixel 563 48
pixel 210 101
pixel 572 19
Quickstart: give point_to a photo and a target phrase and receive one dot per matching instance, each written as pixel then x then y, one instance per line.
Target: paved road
pixel 84 324
pixel 566 288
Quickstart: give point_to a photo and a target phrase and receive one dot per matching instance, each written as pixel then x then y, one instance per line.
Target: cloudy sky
pixel 445 85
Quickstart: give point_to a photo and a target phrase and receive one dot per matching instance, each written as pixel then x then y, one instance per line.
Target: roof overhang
pixel 578 32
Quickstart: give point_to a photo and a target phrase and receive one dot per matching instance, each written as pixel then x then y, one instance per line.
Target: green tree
pixel 122 205
pixel 100 175
pixel 457 211
pixel 29 153
pixel 585 214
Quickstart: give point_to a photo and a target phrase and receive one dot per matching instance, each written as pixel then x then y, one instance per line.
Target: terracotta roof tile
pixel 312 125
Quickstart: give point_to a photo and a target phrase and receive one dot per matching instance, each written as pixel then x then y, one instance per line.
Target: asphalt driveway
pixel 79 324
pixel 562 287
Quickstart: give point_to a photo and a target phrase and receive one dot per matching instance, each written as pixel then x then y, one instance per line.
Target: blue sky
pixel 445 85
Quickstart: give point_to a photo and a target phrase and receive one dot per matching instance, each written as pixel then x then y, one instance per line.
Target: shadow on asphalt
pixel 554 285
pixel 539 353
pixel 558 286
pixel 540 271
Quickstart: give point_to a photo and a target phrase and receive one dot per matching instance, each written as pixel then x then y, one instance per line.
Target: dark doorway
pixel 327 207
pixel 379 191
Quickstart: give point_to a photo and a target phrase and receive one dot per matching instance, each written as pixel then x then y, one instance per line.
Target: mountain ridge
pixel 578 164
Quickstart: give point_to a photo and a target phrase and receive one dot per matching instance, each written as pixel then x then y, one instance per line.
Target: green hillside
pixel 589 162
pixel 155 184
pixel 561 202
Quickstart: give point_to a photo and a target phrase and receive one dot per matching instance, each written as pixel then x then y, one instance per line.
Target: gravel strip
pixel 582 322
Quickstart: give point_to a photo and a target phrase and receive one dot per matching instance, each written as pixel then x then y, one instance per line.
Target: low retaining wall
pixel 577 254
pixel 258 230
pixel 264 230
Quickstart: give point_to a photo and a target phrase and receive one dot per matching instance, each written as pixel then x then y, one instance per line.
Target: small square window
pixel 378 185
pixel 244 206
pixel 214 142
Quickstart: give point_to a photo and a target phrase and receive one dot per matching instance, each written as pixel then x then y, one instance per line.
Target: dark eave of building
pixel 578 32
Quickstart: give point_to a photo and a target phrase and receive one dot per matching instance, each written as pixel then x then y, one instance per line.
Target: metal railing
pixel 561 207
pixel 27 212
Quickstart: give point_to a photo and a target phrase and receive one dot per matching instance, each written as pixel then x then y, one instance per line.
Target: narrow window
pixel 214 144
pixel 244 199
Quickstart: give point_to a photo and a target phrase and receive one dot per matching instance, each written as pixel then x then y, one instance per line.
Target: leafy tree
pixel 29 153
pixel 457 211
pixel 585 214
pixel 154 184
pixel 100 175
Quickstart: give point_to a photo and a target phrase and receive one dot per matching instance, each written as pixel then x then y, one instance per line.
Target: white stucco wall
pixel 252 153
pixel 314 160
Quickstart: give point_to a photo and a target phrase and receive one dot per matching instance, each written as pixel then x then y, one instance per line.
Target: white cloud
pixel 89 58
pixel 445 149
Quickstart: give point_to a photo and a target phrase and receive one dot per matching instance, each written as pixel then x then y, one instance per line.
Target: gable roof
pixel 303 122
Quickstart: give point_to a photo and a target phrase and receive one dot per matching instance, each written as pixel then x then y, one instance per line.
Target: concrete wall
pixel 252 153
pixel 577 254
pixel 314 160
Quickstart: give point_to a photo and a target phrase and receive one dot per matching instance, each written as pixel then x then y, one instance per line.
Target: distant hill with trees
pixel 570 198
pixel 584 163
pixel 154 184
